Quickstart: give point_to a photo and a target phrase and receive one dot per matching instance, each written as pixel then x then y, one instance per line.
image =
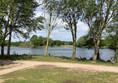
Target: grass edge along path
pixel 58 59
pixel 69 60
pixel 48 73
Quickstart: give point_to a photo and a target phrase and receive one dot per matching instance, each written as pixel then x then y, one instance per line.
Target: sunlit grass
pixel 57 59
pixel 50 74
pixel 69 60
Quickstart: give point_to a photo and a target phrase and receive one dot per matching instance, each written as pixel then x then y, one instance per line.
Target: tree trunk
pixel 9 44
pixel 74 38
pixel 96 55
pixel 74 50
pixel 2 48
pixel 47 43
pixel 115 58
pixel 74 35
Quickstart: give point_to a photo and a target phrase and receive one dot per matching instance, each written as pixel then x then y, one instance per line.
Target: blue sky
pixel 59 33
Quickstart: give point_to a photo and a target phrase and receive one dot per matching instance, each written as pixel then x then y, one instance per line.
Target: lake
pixel 105 54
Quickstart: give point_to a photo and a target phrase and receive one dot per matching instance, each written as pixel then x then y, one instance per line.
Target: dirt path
pixel 30 64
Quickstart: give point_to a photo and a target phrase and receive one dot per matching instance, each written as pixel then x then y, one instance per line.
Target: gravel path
pixel 30 64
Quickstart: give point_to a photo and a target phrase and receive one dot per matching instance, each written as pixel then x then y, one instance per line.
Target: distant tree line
pixel 16 44
pixel 107 42
pixel 41 41
pixel 36 41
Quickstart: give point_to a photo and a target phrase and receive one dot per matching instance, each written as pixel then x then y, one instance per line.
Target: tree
pixel 112 38
pixel 70 12
pixel 81 41
pixel 50 8
pixel 85 41
pixel 20 18
pixel 99 14
pixel 34 40
pixel 4 23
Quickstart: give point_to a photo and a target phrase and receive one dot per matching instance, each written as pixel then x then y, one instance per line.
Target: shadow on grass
pixel 7 60
pixel 16 57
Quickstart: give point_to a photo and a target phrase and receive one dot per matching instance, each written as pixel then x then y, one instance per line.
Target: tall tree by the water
pixel 70 12
pixel 19 18
pixel 99 14
pixel 51 20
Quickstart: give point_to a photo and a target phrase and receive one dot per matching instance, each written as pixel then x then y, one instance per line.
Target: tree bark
pixel 115 57
pixel 9 43
pixel 47 43
pixel 2 48
pixel 74 50
pixel 74 35
pixel 96 55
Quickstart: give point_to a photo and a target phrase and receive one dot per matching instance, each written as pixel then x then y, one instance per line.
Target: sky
pixel 59 33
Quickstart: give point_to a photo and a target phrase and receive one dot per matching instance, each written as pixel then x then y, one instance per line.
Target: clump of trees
pixel 17 17
pixel 112 39
pixel 99 15
pixel 84 41
pixel 17 43
pixel 41 41
pixel 70 12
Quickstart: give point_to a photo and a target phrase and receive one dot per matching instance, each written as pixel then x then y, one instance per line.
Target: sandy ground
pixel 29 64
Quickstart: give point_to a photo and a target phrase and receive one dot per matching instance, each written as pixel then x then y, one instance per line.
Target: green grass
pixel 69 60
pixel 48 74
pixel 57 59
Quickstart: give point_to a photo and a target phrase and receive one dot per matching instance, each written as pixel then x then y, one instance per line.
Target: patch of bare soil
pixel 6 62
pixel 1 80
pixel 45 66
pixel 70 81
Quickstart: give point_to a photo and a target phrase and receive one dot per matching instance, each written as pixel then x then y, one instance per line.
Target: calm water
pixel 106 54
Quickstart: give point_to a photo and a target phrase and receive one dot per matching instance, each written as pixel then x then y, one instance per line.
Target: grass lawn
pixel 58 59
pixel 50 74
pixel 69 60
